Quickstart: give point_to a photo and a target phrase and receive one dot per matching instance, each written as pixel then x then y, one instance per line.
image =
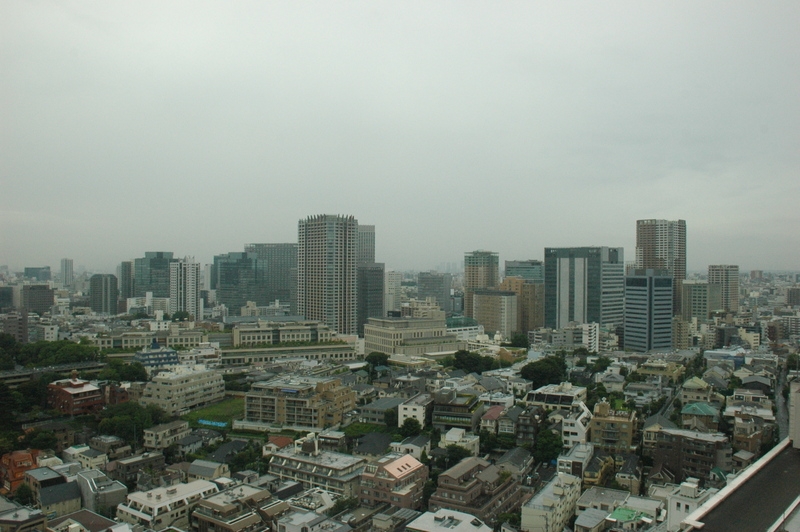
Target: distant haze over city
pixel 130 127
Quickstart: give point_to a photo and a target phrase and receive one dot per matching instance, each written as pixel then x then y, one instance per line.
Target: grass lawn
pixel 225 411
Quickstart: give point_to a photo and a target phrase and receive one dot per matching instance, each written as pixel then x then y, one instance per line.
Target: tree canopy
pixel 52 353
pixel 128 420
pixel 377 358
pixel 549 370
pixel 117 370
pixel 548 446
pixel 410 427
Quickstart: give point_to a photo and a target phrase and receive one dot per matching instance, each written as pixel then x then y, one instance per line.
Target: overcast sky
pixel 197 127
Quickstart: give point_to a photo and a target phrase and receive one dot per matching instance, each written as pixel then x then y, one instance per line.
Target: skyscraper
pixel 648 310
pixel 481 270
pixel 239 277
pixel 532 270
pixel 366 244
pixel 584 285
pixel 661 245
pixel 435 284
pixel 392 291
pixel 103 293
pixel 698 299
pixel 67 272
pixel 126 280
pixel 326 271
pixel 726 276
pixel 370 293
pixel 184 288
pixel 276 262
pixel 151 274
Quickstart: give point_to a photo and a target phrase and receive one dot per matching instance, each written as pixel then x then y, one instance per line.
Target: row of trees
pixel 39 354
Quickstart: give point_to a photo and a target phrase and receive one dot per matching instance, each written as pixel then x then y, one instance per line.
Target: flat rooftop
pixel 761 500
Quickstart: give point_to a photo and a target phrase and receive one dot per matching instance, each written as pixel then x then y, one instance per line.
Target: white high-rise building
pixel 184 288
pixel 392 291
pixel 67 272
pixel 326 270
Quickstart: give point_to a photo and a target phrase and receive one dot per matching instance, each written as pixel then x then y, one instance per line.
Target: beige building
pixel 162 508
pixel 184 388
pixel 551 508
pixel 272 332
pixel 530 302
pixel 244 508
pixel 307 402
pixel 408 336
pixel 304 462
pixel 481 270
pixel 613 430
pixel 164 435
pixel 496 310
pixel 396 479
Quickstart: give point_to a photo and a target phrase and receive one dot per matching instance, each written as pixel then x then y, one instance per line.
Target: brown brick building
pixel 396 479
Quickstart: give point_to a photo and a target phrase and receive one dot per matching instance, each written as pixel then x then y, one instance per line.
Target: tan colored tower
pixel 481 270
pixel 726 276
pixel 661 245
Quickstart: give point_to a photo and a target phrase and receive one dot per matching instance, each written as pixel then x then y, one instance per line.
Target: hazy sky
pixel 197 127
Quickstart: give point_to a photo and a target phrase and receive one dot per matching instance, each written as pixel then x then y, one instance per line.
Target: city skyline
pixel 127 128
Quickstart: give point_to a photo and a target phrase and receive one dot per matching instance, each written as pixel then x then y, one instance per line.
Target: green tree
pixel 390 419
pixel 455 453
pixel 520 340
pixel 42 439
pixel 410 427
pixel 377 358
pixel 548 446
pixel 342 505
pixel 181 315
pixel 8 405
pixel 24 494
pixel 549 370
pixel 488 441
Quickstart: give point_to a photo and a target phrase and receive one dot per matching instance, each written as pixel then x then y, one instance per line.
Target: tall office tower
pixel 38 273
pixel 370 293
pixel 67 272
pixel 661 245
pixel 532 270
pixel 530 302
pixel 648 310
pixel 792 296
pixel 6 298
pixel 38 298
pixel 184 288
pixel 727 277
pixel 437 285
pixel 126 280
pixel 276 262
pixel 698 299
pixel 103 293
pixel 326 271
pixel 151 274
pixel 584 285
pixel 392 291
pixel 481 271
pixel 239 277
pixel 496 310
pixel 365 252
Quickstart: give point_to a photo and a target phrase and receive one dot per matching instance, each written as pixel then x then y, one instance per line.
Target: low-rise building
pixel 550 509
pixel 446 520
pixel 456 409
pixel 160 437
pixel 184 388
pixel 126 469
pixel 304 462
pixel 244 508
pixel 74 397
pixel 375 412
pixel 692 454
pixel 307 402
pixel 554 396
pixel 462 438
pixel 575 425
pixel 418 407
pixel 13 466
pixel 409 336
pixel 575 461
pixel 413 445
pixel 478 487
pixel 163 508
pixel 60 499
pixel 207 470
pixel 279 332
pixel 100 493
pixel 18 518
pixel 395 479
pixel 613 430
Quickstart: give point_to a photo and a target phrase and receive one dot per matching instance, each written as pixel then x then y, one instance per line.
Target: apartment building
pixel 305 463
pixel 417 407
pixel 162 508
pixel 74 397
pixel 477 487
pixel 551 508
pixel 126 469
pixel 184 388
pixel 453 409
pixel 553 396
pixel 162 436
pixel 394 479
pixel 309 402
pixel 244 508
pixel 613 430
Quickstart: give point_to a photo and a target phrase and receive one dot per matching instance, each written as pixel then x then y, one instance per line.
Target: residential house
pixel 462 438
pixel 394 479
